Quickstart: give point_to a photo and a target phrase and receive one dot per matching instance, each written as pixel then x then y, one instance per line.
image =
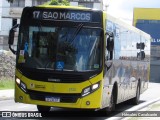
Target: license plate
pixel 52 99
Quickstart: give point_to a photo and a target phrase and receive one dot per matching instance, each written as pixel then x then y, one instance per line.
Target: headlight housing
pixel 90 89
pixel 22 85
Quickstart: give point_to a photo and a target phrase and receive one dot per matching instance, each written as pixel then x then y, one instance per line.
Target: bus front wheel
pixel 43 108
pixel 112 103
pixel 135 100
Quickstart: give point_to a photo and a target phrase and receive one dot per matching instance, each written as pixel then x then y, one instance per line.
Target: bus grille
pixel 63 77
pixel 64 98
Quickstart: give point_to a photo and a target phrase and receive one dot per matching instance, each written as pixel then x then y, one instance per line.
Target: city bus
pixel 76 57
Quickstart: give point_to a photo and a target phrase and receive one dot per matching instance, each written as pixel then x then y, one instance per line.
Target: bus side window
pixel 109 46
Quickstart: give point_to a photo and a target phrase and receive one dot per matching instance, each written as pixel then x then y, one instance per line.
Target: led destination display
pixel 59 15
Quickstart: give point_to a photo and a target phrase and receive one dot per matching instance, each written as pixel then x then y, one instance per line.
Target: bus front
pixel 60 58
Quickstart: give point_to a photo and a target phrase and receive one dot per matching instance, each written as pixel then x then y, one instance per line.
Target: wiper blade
pixel 76 32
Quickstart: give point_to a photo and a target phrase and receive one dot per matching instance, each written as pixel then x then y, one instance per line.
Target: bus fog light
pixel 87 102
pixel 20 97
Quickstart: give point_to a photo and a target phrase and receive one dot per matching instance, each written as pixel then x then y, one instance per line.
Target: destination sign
pixel 81 16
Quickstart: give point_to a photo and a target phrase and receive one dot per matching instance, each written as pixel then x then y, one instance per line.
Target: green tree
pixel 59 2
pixel 65 2
pixel 54 2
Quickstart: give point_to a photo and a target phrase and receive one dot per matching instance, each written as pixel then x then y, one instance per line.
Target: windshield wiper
pixel 79 27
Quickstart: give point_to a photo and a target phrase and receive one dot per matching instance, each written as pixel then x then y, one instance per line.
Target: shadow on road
pixel 61 114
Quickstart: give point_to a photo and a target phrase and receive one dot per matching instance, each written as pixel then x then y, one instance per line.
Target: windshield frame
pixel 84 27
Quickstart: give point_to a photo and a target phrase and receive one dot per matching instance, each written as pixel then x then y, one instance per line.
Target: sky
pixel 123 9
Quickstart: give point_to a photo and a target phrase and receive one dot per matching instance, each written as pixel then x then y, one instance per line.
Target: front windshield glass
pixel 60 48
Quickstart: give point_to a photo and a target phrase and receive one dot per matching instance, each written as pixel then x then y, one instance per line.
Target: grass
pixel 6 83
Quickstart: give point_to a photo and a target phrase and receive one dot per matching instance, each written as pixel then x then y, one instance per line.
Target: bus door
pixel 109 50
pixel 109 56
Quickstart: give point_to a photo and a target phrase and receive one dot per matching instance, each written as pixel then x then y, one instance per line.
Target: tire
pixel 43 108
pixel 135 100
pixel 112 103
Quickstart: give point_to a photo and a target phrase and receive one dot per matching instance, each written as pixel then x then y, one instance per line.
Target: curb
pixel 136 108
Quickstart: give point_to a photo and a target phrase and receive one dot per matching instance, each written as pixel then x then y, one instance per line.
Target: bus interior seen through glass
pixel 45 44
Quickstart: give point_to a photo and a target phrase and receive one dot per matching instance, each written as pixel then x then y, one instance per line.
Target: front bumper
pixel 94 99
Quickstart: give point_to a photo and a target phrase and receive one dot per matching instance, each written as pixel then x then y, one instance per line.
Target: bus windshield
pixel 60 48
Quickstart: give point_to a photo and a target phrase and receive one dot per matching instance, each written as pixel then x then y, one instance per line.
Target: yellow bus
pixel 74 57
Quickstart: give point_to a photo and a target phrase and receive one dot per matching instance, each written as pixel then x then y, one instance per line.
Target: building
pixel 96 4
pixel 5 24
pixel 10 14
pixel 148 20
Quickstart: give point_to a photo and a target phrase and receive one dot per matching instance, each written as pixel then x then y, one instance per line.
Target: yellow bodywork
pixel 95 98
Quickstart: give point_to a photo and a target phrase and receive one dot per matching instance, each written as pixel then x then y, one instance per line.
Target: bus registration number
pixel 52 99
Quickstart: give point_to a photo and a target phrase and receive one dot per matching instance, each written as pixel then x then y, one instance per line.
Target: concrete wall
pixel 28 2
pixel 0 13
pixel 95 5
pixel 6 26
pixel 74 3
pixel 98 6
pixel 5 8
pixel 6 22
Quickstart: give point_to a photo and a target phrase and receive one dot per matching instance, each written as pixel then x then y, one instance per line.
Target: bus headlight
pixel 86 91
pixel 18 81
pixel 21 84
pixel 90 89
pixel 95 86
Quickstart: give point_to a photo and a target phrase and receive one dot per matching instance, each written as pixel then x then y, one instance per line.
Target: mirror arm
pixel 12 29
pixel 15 26
pixel 12 50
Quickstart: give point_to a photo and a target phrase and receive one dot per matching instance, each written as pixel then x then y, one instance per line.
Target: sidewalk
pixel 6 94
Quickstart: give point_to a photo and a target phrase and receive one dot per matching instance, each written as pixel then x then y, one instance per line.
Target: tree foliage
pixel 59 2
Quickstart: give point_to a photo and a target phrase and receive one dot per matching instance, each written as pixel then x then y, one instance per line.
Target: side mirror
pixel 11 37
pixel 141 55
pixel 110 44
